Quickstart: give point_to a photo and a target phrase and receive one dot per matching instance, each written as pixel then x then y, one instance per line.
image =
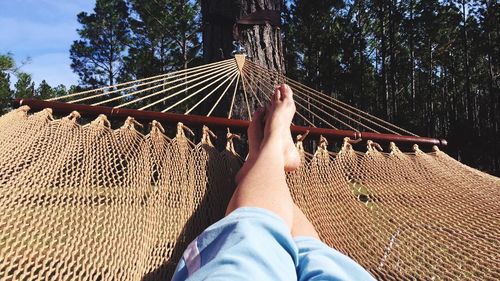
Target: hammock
pixel 91 203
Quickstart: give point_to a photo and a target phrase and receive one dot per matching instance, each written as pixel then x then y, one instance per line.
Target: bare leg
pixel 301 225
pixel 264 184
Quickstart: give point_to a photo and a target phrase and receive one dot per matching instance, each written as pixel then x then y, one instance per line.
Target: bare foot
pixel 263 184
pixel 255 133
pixel 283 106
pixel 279 115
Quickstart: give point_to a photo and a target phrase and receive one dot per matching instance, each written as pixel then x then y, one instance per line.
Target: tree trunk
pixel 393 63
pixel 430 94
pixel 383 55
pixel 412 58
pixel 361 47
pixel 263 43
pixel 468 92
pixel 493 99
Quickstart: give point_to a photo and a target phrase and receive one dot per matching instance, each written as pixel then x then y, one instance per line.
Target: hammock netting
pixel 88 202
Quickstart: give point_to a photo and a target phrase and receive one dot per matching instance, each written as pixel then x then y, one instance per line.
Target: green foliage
pixel 124 40
pixel 97 57
pixel 7 66
pixel 429 66
pixel 44 91
pixel 5 92
pixel 165 36
pixel 59 90
pixel 7 63
pixel 432 67
pixel 24 87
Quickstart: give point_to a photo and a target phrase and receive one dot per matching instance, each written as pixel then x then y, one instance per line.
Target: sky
pixel 42 30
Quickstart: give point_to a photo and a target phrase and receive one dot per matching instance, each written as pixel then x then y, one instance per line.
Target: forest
pixel 432 67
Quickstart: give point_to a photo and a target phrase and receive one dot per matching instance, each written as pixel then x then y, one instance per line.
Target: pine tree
pixel 262 42
pixel 44 91
pixel 6 66
pixel 165 36
pixel 432 67
pixel 186 29
pixel 97 57
pixel 60 90
pixel 24 87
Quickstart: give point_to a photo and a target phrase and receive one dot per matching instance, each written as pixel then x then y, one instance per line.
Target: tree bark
pixel 430 90
pixel 468 92
pixel 393 62
pixel 361 49
pixel 263 43
pixel 493 99
pixel 383 55
pixel 412 57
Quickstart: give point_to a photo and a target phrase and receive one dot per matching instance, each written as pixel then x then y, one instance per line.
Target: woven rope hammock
pixel 88 202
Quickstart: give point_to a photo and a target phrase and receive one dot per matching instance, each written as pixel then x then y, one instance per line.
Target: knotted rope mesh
pixel 92 203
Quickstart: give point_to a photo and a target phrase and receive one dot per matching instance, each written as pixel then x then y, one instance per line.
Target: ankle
pixel 273 140
pixel 272 147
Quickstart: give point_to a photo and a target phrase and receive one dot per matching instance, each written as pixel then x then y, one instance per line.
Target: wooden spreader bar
pixel 215 122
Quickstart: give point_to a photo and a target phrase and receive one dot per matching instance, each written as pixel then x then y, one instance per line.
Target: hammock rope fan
pixel 92 203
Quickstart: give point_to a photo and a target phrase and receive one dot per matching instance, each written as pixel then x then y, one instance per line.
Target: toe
pixel 276 95
pixel 286 93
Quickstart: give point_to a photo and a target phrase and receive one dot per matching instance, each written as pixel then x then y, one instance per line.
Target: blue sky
pixel 42 30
